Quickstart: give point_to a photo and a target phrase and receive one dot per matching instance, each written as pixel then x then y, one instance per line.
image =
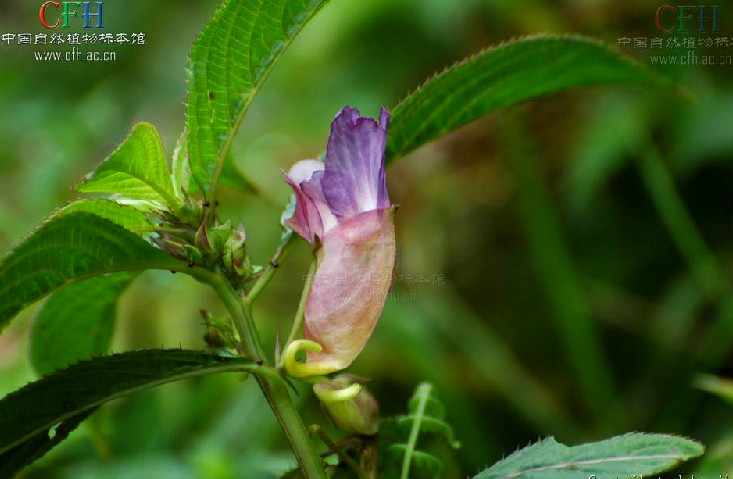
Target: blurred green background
pixel 564 268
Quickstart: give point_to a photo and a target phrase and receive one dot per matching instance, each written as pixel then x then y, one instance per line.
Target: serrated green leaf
pixel 77 322
pixel 70 248
pixel 40 406
pixel 505 75
pixel 622 456
pixel 137 171
pixel 15 459
pixel 228 64
pixel 126 216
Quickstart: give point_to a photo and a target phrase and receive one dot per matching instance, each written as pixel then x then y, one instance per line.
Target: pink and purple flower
pixel 343 208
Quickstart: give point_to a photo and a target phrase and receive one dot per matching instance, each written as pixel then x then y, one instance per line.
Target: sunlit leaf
pixel 136 171
pixel 228 64
pixel 126 216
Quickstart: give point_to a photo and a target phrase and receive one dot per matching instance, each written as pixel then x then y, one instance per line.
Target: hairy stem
pixel 241 317
pixel 272 386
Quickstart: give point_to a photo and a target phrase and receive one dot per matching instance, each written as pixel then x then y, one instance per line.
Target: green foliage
pixel 67 396
pixel 130 218
pixel 721 387
pixel 86 241
pixel 622 456
pixel 69 248
pixel 77 322
pixel 502 76
pixel 136 171
pixel 16 458
pixel 228 64
pixel 424 426
pixel 555 269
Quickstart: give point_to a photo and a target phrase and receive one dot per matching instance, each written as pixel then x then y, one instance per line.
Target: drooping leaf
pixel 77 322
pixel 15 459
pixel 65 397
pixel 126 216
pixel 621 456
pixel 505 75
pixel 228 64
pixel 409 443
pixel 137 171
pixel 70 248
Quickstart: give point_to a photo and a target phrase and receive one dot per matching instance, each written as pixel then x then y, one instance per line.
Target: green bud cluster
pixel 189 235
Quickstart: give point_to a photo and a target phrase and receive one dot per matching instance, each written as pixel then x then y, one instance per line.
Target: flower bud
pixel 218 236
pixel 349 405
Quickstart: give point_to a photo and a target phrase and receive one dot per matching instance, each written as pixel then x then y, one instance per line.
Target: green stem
pixel 273 387
pixel 300 314
pixel 423 393
pixel 270 269
pixel 241 317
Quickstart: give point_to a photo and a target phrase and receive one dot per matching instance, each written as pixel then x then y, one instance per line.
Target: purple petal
pixel 306 219
pixel 313 188
pixel 354 179
pixel 382 193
